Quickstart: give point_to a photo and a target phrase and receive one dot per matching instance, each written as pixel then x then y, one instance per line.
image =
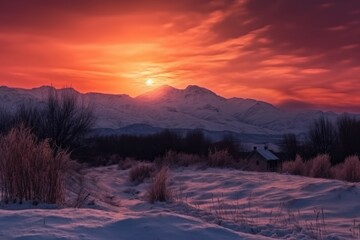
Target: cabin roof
pixel 267 154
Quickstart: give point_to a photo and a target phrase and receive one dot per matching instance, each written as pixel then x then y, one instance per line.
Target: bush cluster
pixel 320 167
pixel 138 173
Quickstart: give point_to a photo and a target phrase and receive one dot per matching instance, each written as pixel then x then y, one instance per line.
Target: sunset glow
pixel 294 54
pixel 149 82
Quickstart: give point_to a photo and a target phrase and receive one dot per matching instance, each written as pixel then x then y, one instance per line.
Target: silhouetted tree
pixel 322 136
pixel 290 146
pixel 66 119
pixel 6 119
pixel 349 135
pixel 229 144
pixel 195 142
pixel 63 119
pixel 30 117
pixel 149 147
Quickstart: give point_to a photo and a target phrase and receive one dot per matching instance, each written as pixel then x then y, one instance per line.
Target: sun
pixel 149 82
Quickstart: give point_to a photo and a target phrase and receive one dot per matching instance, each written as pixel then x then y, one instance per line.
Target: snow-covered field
pixel 207 204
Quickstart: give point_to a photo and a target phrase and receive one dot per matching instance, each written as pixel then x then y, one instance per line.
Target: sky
pixel 296 54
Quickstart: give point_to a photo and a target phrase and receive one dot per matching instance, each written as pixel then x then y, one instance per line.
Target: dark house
pixel 262 159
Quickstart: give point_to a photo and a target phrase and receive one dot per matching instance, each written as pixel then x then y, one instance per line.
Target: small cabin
pixel 262 160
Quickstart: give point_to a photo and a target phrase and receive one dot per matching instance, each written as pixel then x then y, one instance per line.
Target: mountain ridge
pixel 189 108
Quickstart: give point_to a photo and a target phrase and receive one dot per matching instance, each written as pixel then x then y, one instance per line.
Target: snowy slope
pixel 208 204
pixel 75 224
pixel 189 108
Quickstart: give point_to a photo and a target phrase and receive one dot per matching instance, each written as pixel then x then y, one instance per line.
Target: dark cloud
pixel 295 104
pixel 302 105
pixel 42 13
pixel 295 25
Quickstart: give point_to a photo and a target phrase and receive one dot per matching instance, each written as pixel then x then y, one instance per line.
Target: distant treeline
pixel 100 149
pixel 339 140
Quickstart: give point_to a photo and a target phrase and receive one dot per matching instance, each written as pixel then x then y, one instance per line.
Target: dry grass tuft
pixel 158 190
pixel 175 159
pixel 31 170
pixel 126 163
pixel 138 173
pixel 220 158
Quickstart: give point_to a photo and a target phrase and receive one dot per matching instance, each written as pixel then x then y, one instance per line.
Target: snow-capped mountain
pixel 189 108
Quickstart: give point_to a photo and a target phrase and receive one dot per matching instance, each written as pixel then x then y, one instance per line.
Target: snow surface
pixel 208 204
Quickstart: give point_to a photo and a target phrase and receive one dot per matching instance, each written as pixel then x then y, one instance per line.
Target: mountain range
pixel 167 107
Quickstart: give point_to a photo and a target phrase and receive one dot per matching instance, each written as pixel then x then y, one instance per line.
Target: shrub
pixel 32 117
pixel 138 173
pixel 31 170
pixel 308 165
pixel 351 169
pixel 172 158
pixel 296 167
pixel 126 163
pixel 158 190
pixel 220 158
pixel 186 160
pixel 336 171
pixel 320 166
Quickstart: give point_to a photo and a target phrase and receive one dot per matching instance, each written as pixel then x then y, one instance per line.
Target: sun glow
pixel 149 82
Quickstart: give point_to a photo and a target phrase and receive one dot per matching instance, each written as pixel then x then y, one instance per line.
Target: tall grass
pixel 220 158
pixel 138 173
pixel 30 169
pixel 179 159
pixel 158 190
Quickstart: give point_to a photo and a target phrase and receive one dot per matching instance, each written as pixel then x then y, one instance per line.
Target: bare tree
pixel 349 135
pixel 63 120
pixel 322 136
pixel 31 117
pixel 67 119
pixel 6 119
pixel 290 146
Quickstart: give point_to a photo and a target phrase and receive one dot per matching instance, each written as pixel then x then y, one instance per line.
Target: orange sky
pixel 294 54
